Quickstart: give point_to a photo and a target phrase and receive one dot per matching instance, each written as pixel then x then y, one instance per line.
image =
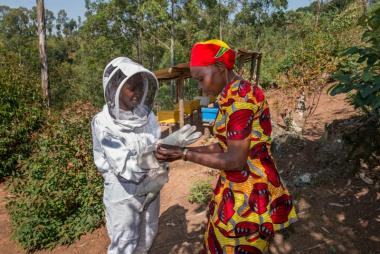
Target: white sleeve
pixel 99 157
pixel 155 125
pixel 111 154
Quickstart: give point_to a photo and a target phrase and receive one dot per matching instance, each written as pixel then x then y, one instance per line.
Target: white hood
pixel 115 75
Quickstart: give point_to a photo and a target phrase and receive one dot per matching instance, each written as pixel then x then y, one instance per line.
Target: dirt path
pixel 7 246
pixel 339 218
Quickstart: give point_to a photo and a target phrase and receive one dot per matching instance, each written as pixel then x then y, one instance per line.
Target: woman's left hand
pixel 168 154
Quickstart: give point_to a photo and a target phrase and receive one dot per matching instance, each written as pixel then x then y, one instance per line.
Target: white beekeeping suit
pixel 118 137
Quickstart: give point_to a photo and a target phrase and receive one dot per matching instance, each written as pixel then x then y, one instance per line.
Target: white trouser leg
pixel 129 230
pixel 148 227
pixel 122 216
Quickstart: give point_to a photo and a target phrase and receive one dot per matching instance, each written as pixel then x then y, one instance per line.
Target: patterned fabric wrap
pixel 248 206
pixel 212 51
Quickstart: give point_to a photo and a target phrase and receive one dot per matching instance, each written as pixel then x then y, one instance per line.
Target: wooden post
pixel 253 67
pixel 177 93
pixel 181 106
pixel 258 68
pixel 41 45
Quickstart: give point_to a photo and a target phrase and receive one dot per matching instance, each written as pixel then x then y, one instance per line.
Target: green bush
pixel 21 112
pixel 302 53
pixel 362 81
pixel 165 99
pixel 200 193
pixel 58 194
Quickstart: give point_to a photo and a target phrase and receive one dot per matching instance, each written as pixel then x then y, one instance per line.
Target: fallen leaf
pixel 363 164
pixel 325 229
pixel 362 193
pixel 365 178
pixel 341 217
pixel 363 223
pixel 339 205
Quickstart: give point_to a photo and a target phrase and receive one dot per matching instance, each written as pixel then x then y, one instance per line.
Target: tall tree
pixel 252 17
pixel 42 48
pixel 61 21
pixel 318 12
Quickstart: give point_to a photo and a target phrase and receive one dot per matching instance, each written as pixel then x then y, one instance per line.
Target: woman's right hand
pixel 166 154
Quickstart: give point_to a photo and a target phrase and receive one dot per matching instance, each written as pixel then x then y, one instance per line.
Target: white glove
pixel 182 137
pixel 152 184
pixel 147 160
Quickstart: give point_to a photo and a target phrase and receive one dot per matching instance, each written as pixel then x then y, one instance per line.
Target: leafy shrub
pixel 164 99
pixel 363 81
pixel 200 193
pixel 58 194
pixel 304 53
pixel 21 112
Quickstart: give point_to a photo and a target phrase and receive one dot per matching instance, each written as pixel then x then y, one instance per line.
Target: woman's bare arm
pixel 235 158
pixel 213 148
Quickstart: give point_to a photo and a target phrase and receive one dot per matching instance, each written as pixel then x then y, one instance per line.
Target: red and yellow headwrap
pixel 212 51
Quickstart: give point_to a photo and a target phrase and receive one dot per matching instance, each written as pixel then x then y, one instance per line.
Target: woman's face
pixel 211 78
pixel 131 93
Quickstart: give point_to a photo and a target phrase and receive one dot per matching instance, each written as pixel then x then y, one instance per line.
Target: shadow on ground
pixel 336 187
pixel 174 235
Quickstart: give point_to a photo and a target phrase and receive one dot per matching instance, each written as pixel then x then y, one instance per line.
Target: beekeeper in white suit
pixel 122 133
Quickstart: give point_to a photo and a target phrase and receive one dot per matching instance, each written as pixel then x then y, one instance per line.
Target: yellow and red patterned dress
pixel 248 206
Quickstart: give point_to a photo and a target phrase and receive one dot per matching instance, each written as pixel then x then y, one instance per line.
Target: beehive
pixel 168 116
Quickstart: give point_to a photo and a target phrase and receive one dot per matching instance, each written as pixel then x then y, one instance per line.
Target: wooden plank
pixel 174 72
pixel 182 70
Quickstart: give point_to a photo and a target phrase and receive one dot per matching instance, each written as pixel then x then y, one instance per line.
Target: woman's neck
pixel 231 76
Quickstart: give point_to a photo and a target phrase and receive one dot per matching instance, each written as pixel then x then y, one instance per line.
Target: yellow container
pixel 189 106
pixel 168 116
pixel 188 110
pixel 195 104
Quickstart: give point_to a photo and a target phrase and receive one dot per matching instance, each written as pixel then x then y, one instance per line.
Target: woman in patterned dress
pixel 250 202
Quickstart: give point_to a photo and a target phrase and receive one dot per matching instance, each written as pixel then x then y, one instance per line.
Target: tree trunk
pixel 365 5
pixel 220 22
pixel 172 36
pixel 139 46
pixel 172 60
pixel 42 48
pixel 139 37
pixel 318 12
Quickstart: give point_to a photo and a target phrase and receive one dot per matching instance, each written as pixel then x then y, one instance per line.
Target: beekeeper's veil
pixel 115 76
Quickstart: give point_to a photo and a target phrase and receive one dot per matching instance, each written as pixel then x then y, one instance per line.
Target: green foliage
pixel 164 100
pixel 301 52
pixel 200 193
pixel 362 80
pixel 191 89
pixel 58 195
pixel 20 112
pixel 165 97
